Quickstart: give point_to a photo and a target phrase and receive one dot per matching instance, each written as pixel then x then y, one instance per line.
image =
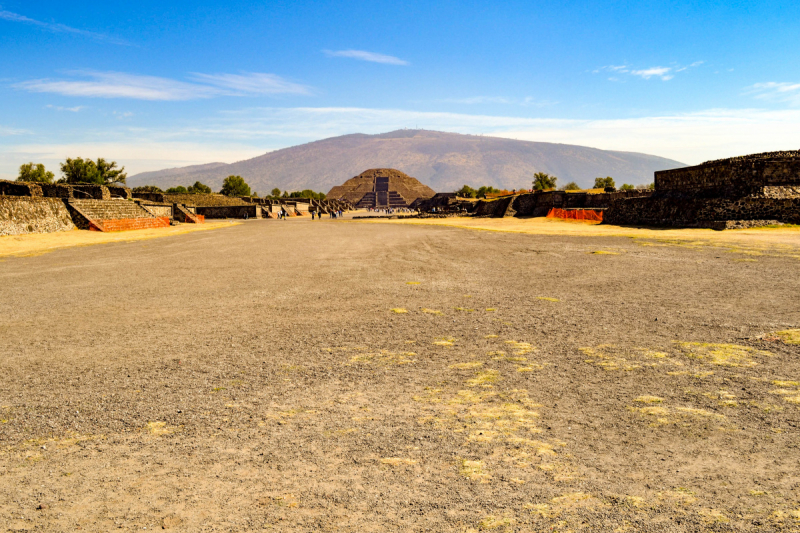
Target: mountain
pixel 444 161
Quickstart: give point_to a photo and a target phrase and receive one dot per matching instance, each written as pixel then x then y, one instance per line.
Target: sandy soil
pixel 348 376
pixel 36 244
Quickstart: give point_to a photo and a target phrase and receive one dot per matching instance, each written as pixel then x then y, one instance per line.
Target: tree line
pixel 101 172
pixel 546 182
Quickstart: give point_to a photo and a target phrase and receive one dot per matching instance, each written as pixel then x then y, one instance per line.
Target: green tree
pixel 79 170
pixel 199 188
pixel 276 192
pixel 34 173
pixel 102 172
pixel 147 188
pixel 109 173
pixel 543 181
pixel 235 186
pixel 627 187
pixel 602 183
pixel 180 189
pixel 466 192
pixel 571 186
pixel 484 189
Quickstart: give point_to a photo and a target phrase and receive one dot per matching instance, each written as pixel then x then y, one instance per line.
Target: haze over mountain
pixel 444 161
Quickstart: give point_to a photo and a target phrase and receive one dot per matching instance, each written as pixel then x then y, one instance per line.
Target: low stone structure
pixel 229 211
pixel 747 191
pixel 381 188
pixel 112 215
pixel 33 214
pixel 538 204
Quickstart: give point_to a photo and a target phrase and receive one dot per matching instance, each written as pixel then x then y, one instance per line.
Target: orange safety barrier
pixel 576 214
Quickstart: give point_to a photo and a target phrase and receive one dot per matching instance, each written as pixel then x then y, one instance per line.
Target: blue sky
pixel 162 84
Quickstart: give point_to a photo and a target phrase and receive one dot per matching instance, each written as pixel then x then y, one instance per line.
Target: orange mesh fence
pixel 576 214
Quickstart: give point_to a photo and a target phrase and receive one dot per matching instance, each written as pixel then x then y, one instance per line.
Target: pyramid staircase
pixel 112 215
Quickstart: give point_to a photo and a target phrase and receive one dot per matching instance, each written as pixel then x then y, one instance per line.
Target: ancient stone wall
pixel 676 211
pixel 230 211
pixel 20 188
pixel 80 192
pixel 739 176
pixel 27 214
pixel 754 188
pixel 190 199
pixel 538 204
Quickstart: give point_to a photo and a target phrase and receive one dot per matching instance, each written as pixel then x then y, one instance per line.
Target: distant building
pixel 381 188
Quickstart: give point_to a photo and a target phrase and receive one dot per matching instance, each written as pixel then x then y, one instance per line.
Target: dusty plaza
pixel 344 375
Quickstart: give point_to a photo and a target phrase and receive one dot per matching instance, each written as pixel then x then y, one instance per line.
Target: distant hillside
pixel 444 161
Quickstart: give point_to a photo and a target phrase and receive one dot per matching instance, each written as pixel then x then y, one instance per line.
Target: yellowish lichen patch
pixel 731 355
pixel 781 383
pixel 467 366
pixel 384 357
pixel 520 348
pixel 483 378
pixel 649 399
pixel 399 310
pixel 445 341
pixel 490 309
pixel 604 252
pixel 473 470
pixel 547 299
pixel 159 428
pixel 412 282
pixel 490 336
pixel 789 336
pixel 464 309
pixel 431 311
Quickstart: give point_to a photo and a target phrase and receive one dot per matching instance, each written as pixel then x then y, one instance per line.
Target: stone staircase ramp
pixel 113 215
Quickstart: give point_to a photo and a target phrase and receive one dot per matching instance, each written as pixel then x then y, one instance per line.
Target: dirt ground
pixel 353 376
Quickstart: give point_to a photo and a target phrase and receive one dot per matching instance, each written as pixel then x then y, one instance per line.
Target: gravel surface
pixel 345 376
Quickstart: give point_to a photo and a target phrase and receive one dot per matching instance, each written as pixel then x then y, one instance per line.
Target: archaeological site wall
pixel 746 191
pixel 190 199
pixel 538 204
pixel 33 214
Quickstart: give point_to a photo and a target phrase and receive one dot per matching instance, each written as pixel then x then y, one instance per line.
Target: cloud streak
pixel 363 55
pixel 138 87
pixel 60 28
pixel 776 91
pixel 662 73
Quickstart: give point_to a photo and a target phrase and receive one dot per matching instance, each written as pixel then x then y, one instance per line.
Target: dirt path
pixel 347 376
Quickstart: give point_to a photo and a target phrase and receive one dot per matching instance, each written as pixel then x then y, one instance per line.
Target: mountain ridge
pixel 444 161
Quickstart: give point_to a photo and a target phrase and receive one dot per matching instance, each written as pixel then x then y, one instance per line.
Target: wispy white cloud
pixel 252 83
pixel 70 109
pixel 60 28
pixel 658 72
pixel 363 55
pixel 134 86
pixel 477 100
pixel 528 101
pixel 776 91
pixel 6 131
pixel 662 73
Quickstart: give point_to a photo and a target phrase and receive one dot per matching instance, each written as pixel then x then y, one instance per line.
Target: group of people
pixel 389 210
pixel 333 214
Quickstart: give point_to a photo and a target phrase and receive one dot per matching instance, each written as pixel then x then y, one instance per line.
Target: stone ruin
pixel 381 188
pixel 49 207
pixel 747 191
